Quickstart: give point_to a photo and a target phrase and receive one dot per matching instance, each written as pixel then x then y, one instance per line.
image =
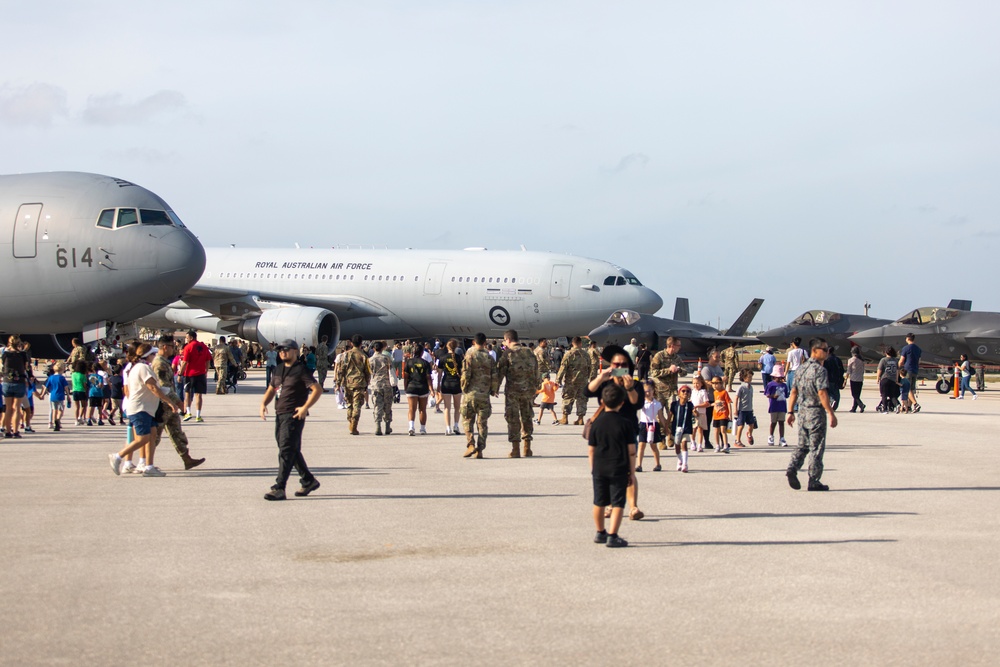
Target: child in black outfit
pixel 612 463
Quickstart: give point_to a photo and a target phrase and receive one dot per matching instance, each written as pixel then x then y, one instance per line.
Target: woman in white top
pixel 856 376
pixel 966 379
pixel 143 397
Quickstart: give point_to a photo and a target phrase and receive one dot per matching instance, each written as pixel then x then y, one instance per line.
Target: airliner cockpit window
pixel 928 315
pixel 610 280
pixel 619 281
pixel 126 217
pixel 177 220
pixel 631 279
pixel 154 217
pixel 107 218
pixel 623 318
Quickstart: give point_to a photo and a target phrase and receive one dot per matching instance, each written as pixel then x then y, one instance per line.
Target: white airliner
pixel 272 294
pixel 80 252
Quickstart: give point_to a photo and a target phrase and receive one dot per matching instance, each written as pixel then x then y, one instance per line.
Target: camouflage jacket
pixel 729 357
pixel 658 369
pixel 519 367
pixel 810 379
pixel 542 357
pixel 479 373
pixel 353 371
pixel 164 374
pixel 221 355
pixel 381 364
pixel 322 356
pixel 575 368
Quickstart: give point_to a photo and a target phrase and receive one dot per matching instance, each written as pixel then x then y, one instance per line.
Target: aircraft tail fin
pixel 960 304
pixel 742 322
pixel 682 311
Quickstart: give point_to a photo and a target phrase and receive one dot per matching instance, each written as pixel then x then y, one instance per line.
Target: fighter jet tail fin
pixel 742 322
pixel 682 311
pixel 960 304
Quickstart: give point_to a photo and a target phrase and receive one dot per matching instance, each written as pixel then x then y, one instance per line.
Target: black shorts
pixel 720 423
pixel 80 396
pixel 95 401
pixel 610 490
pixel 196 384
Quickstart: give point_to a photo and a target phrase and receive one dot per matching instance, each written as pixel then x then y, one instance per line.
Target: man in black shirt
pixel 296 391
pixel 612 462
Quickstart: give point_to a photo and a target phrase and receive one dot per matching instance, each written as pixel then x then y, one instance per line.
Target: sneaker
pixel 28 429
pixel 657 469
pixel 187 417
pixel 8 434
pixel 638 468
pixel 275 494
pixel 199 420
pixel 116 463
pixel 601 537
pixel 16 435
pixel 615 542
pixel 783 443
pixel 770 441
pixel 153 471
pixel 128 467
pixel 412 432
pixel 684 468
pixel 423 431
pixel 916 408
pixel 679 466
pixel 750 440
pixel 308 488
pixel 100 422
pixel 90 422
pixel 726 450
pixel 816 485
pixel 793 479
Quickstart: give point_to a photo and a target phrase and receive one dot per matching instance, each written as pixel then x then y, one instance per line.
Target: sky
pixel 816 155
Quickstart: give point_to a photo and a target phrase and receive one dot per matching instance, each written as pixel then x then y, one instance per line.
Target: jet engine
pixel 302 324
pixel 50 346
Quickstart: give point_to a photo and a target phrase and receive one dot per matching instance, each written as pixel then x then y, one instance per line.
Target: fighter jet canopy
pixel 928 315
pixel 623 318
pixel 816 318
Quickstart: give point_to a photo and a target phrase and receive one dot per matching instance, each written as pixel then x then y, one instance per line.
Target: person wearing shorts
pixel 612 454
pixel 417 385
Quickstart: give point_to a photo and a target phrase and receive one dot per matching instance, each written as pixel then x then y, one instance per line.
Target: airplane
pixel 836 328
pixel 941 333
pixel 696 339
pixel 81 252
pixel 268 294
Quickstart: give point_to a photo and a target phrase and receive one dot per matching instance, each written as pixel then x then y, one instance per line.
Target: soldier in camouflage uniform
pixel 809 391
pixel 322 361
pixel 480 380
pixel 664 370
pixel 574 374
pixel 730 364
pixel 222 357
pixel 353 374
pixel 595 360
pixel 519 368
pixel 164 374
pixel 544 360
pixel 381 388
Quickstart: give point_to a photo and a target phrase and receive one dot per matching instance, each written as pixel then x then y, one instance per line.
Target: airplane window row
pixel 117 218
pixel 497 280
pixel 309 276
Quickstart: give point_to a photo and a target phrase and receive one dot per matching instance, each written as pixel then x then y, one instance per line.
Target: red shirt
pixel 197 357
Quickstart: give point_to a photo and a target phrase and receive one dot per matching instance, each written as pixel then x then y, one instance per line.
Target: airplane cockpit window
pixel 610 280
pixel 619 281
pixel 816 318
pixel 631 279
pixel 107 218
pixel 177 221
pixel 126 217
pixel 928 315
pixel 623 318
pixel 154 217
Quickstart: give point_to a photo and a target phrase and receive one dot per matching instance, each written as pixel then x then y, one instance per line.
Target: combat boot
pixel 479 449
pixel 354 426
pixel 527 448
pixel 515 453
pixel 378 428
pixel 470 446
pixel 564 420
pixel 388 428
pixel 579 421
pixel 188 461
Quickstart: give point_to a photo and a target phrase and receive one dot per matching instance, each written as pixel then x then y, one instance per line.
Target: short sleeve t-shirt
pixel 140 398
pixel 56 386
pixel 911 357
pixel 777 397
pixel 610 436
pixel 418 376
pixel 291 385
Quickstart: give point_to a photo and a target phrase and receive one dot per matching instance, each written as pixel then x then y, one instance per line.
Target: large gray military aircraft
pixel 836 328
pixel 696 339
pixel 941 333
pixel 84 251
pixel 269 294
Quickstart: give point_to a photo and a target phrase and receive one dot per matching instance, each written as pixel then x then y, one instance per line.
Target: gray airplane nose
pixel 649 301
pixel 180 261
pixel 775 337
pixel 867 339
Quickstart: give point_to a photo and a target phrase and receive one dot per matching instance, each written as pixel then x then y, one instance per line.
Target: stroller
pixel 233 375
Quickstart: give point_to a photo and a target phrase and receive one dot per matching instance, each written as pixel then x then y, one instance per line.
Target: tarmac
pixel 411 554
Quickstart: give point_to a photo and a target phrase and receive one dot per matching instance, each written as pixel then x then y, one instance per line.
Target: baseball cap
pixel 288 344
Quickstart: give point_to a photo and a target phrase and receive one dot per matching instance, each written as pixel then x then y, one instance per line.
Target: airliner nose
pixel 180 261
pixel 649 301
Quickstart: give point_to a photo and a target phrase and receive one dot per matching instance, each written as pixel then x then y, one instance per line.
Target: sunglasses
pixel 619 365
pixel 685 391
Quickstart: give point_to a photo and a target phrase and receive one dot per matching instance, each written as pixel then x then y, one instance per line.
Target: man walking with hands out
pixel 809 391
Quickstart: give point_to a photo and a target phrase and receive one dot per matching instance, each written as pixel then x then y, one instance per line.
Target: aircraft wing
pixel 984 345
pixel 241 304
pixel 721 340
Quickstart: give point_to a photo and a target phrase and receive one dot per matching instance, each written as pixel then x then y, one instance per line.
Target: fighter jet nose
pixel 599 335
pixel 180 261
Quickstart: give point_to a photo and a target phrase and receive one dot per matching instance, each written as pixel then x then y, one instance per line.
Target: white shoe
pixel 116 463
pixel 423 431
pixel 783 443
pixel 770 441
pixel 128 467
pixel 153 471
pixel 447 430
pixel 975 396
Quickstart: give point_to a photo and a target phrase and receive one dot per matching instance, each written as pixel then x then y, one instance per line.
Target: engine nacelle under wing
pixel 302 324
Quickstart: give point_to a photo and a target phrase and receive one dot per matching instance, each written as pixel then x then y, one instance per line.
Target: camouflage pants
pixel 730 375
pixel 666 397
pixel 382 399
pixel 172 424
pixel 222 374
pixel 476 406
pixel 520 417
pixel 321 371
pixel 812 442
pixel 574 393
pixel 355 399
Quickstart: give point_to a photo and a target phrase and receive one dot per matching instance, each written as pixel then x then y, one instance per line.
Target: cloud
pixel 957 221
pixel 111 110
pixel 38 104
pixel 927 208
pixel 629 161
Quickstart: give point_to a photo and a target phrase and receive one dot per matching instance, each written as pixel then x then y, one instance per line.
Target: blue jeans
pixel 965 385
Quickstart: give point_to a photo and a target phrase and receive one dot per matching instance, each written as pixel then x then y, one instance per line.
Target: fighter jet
pixel 941 333
pixel 81 252
pixel 271 294
pixel 836 328
pixel 696 339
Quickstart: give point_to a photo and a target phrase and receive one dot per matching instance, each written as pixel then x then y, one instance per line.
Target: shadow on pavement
pixel 762 543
